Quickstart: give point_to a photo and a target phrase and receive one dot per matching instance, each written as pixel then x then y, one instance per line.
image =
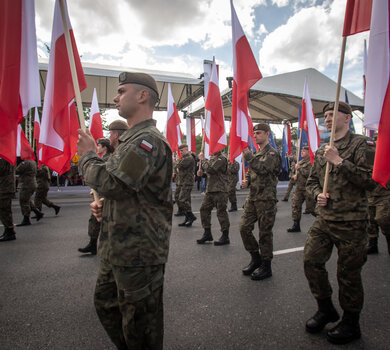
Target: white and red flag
pixel 287 136
pixel 215 119
pixel 172 129
pixel 95 119
pixel 308 122
pixel 377 99
pixel 23 148
pixel 19 77
pixel 357 16
pixel 59 123
pixel 246 74
pixel 190 134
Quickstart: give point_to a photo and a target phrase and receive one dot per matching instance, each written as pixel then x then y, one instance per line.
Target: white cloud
pixel 280 3
pixel 262 30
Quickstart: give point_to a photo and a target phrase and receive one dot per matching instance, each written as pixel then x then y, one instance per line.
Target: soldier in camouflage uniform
pixel 341 221
pixel 104 150
pixel 43 186
pixel 216 196
pixel 260 205
pixel 177 179
pixel 7 191
pixel 27 171
pixel 233 169
pixel 136 218
pixel 291 183
pixel 185 176
pixel 300 194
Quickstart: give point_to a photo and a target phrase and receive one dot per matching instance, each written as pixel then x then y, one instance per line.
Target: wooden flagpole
pixel 75 80
pixel 335 111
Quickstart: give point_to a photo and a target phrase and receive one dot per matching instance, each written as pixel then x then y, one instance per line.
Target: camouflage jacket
pixel 43 177
pixel 217 174
pixel 347 182
pixel 7 177
pixel 185 170
pixel 233 169
pixel 378 195
pixel 264 169
pixel 136 185
pixel 302 174
pixel 27 171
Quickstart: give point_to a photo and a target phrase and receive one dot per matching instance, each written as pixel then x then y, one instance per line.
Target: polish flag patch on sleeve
pixel 146 145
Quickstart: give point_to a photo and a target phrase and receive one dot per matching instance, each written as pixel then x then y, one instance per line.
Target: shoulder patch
pixel 370 143
pixel 146 145
pixel 271 153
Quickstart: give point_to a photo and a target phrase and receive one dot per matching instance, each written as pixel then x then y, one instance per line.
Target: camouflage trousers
pixel 93 227
pixel 129 303
pixel 350 239
pixel 379 217
pixel 6 210
pixel 26 204
pixel 297 201
pixel 218 200
pixel 41 197
pixel 232 192
pixel 291 184
pixel 184 199
pixel 262 212
pixel 177 195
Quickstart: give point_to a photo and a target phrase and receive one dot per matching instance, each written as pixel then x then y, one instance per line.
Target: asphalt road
pixel 46 287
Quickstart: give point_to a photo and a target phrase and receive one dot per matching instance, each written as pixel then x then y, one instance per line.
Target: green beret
pixel 262 126
pixel 183 145
pixel 118 125
pixel 343 107
pixel 306 148
pixel 138 78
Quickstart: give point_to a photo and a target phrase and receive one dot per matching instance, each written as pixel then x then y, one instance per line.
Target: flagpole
pixel 204 131
pixel 75 80
pixel 335 111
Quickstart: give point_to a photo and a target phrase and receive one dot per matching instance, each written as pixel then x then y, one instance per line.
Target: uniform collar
pixel 137 127
pixel 344 141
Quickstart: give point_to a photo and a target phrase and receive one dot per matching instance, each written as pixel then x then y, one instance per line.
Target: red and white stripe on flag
pixel 95 119
pixel 308 122
pixel 23 148
pixel 217 134
pixel 59 122
pixel 357 16
pixel 172 129
pixel 246 74
pixel 377 99
pixel 190 134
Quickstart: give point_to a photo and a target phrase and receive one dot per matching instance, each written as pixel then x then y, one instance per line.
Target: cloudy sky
pixel 177 35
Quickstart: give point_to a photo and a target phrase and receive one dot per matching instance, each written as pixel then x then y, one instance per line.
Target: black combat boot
pixel 56 208
pixel 372 247
pixel 39 214
pixel 233 207
pixel 224 239
pixel 185 221
pixel 26 221
pixel 326 313
pixel 207 237
pixel 285 199
pixel 253 265
pixel 191 219
pixel 91 247
pixel 296 227
pixel 388 243
pixel 8 235
pixel 179 213
pixel 347 329
pixel 263 272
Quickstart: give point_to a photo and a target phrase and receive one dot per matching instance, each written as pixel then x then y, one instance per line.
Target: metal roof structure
pixel 277 98
pixel 185 88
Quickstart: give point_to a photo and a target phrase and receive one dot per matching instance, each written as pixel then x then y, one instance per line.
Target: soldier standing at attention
pixel 216 196
pixel 27 171
pixel 341 221
pixel 291 183
pixel 43 186
pixel 7 192
pixel 260 205
pixel 104 150
pixel 185 176
pixel 233 169
pixel 300 195
pixel 136 216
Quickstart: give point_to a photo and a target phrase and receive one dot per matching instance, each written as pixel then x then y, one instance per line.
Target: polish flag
pixel 217 135
pixel 172 130
pixel 377 99
pixel 190 134
pixel 246 74
pixel 95 122
pixel 308 122
pixel 23 148
pixel 357 16
pixel 59 123
pixel 287 131
pixel 364 69
pixel 19 78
